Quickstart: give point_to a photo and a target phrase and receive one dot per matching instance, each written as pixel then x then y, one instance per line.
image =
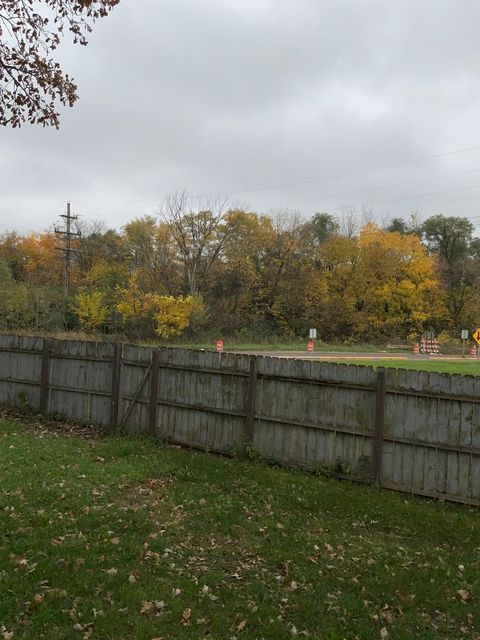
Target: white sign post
pixel 313 334
pixel 464 339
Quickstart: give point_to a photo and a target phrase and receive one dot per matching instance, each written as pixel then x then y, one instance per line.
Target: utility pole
pixel 67 234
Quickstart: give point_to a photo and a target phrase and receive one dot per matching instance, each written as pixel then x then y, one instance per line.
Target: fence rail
pixel 411 431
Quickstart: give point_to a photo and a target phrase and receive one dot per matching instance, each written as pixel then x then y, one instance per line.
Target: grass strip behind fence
pixel 461 367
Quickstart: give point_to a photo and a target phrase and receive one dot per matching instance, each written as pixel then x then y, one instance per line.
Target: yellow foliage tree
pixel 132 303
pixel 172 315
pixel 394 284
pixel 41 260
pixel 91 309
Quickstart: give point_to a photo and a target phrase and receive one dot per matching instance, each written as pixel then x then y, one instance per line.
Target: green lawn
pixel 463 367
pixel 126 539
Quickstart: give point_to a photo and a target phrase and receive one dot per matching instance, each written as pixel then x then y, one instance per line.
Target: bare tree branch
pixel 200 231
pixel 32 83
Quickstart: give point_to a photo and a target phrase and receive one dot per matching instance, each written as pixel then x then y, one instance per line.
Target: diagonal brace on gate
pixel 139 390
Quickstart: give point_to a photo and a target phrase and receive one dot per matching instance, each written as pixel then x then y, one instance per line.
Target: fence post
pixel 115 391
pixel 379 428
pixel 250 406
pixel 152 404
pixel 45 374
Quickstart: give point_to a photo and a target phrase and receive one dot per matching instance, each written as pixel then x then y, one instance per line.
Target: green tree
pixel 451 239
pixel 14 303
pixel 234 294
pixel 319 228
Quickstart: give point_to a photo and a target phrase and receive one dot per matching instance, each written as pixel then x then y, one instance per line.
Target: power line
pixel 320 179
pixel 299 182
pixel 409 197
pixel 386 186
pixel 349 173
pixel 330 195
pixel 422 195
pixel 418 195
pixel 439 203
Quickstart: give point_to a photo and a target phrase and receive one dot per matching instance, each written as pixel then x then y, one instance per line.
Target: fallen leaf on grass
pixel 241 626
pixel 464 594
pixel 152 608
pixel 383 633
pixel 186 615
pixel 146 607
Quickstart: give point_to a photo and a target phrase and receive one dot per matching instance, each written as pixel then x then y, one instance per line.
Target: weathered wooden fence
pixel 411 431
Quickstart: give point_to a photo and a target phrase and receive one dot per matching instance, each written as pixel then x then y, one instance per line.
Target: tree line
pixel 208 270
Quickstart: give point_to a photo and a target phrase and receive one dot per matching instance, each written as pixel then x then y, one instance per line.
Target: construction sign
pixel 476 336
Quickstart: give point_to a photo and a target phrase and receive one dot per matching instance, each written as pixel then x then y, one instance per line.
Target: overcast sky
pixel 267 99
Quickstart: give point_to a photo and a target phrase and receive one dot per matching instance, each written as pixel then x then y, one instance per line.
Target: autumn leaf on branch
pixel 32 83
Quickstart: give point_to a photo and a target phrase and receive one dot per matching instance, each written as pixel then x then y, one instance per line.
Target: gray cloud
pixel 225 95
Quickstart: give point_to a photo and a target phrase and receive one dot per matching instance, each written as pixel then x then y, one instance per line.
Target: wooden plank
pixel 152 408
pixel 139 390
pixel 250 403
pixel 115 391
pixel 379 429
pixel 45 374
